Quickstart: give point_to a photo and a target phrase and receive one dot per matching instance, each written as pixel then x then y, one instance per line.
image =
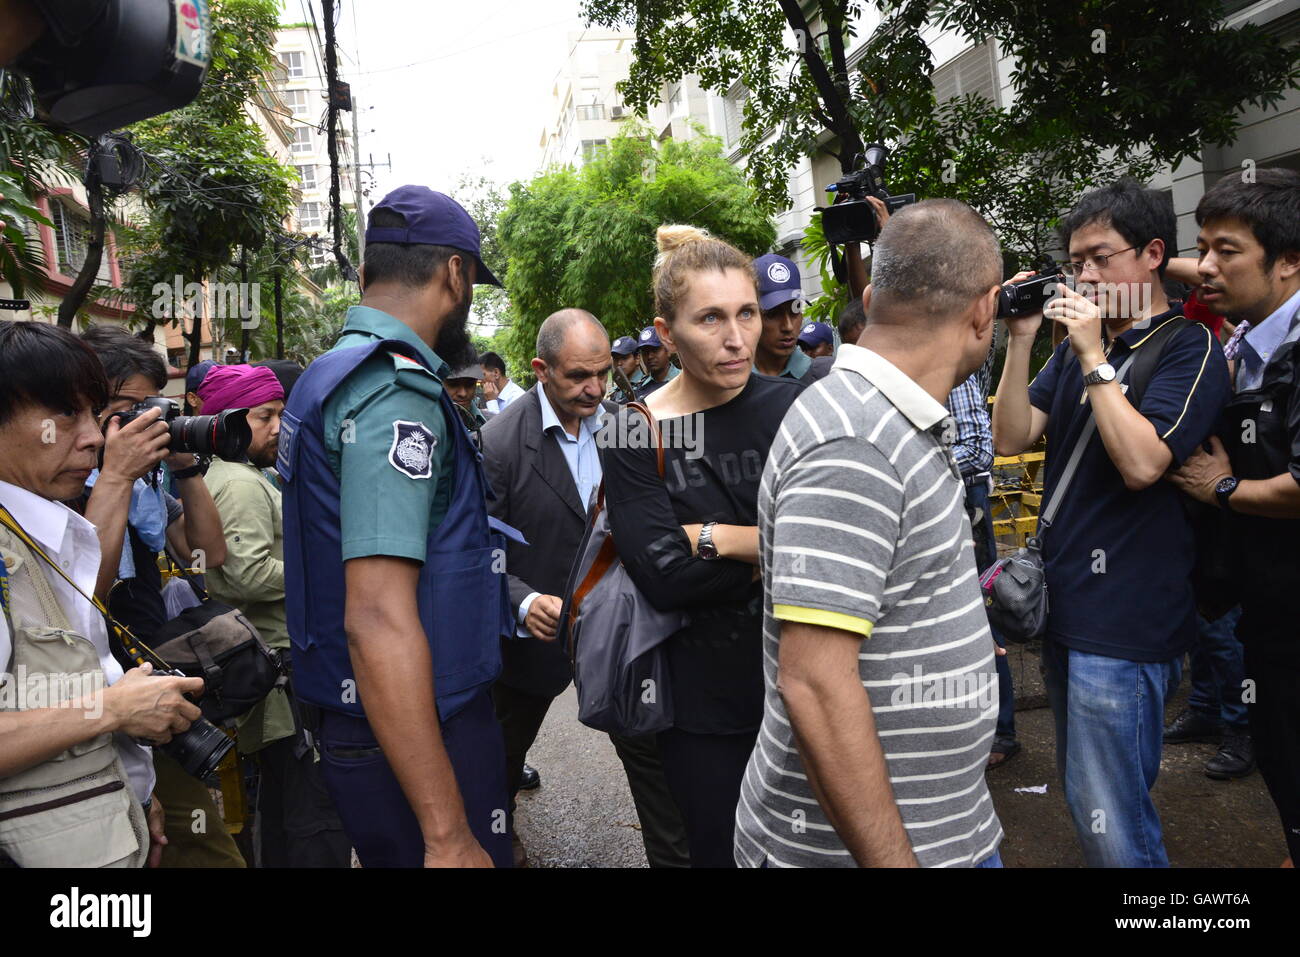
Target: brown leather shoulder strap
pixel 605 559
pixel 654 430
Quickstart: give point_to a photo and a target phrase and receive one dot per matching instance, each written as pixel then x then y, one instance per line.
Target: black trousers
pixel 662 831
pixel 1275 729
pixel 374 809
pixel 704 772
pixel 297 825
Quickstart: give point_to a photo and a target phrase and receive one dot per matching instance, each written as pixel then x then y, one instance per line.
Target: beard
pixel 454 346
pixel 263 458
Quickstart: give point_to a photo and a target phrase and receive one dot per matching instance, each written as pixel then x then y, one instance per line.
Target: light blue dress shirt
pixel 581 454
pixel 1260 343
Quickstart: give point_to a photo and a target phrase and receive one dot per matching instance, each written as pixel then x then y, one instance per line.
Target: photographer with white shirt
pixel 75 783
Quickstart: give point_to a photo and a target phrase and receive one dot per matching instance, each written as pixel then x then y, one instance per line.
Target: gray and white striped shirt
pixel 863 528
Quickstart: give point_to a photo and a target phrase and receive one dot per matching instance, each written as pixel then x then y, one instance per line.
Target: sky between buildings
pixel 451 88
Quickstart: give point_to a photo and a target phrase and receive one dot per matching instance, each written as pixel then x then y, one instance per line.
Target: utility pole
pixel 332 114
pixel 356 184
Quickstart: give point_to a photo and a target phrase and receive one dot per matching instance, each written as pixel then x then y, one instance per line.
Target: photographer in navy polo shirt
pixel 1119 553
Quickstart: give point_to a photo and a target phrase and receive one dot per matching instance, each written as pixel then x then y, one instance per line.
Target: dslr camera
pixel 1030 295
pixel 853 220
pixel 225 435
pixel 201 749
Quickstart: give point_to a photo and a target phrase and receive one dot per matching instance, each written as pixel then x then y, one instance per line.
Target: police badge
pixel 412 449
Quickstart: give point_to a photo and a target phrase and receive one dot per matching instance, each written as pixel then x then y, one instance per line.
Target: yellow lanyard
pixel 136 649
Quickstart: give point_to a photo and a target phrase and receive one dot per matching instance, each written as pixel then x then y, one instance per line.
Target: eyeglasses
pixel 1099 262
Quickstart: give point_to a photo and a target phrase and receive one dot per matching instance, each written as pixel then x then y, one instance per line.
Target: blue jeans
pixel 1109 724
pixel 1216 672
pixel 994 861
pixel 986 553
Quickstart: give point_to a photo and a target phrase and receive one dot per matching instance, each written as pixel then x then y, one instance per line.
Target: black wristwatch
pixel 1223 491
pixel 704 545
pixel 197 470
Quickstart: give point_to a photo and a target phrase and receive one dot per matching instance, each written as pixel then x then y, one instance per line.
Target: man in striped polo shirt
pixel 881 693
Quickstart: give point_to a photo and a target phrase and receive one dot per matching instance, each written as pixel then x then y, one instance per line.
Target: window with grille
pixel 971 73
pixel 301 140
pixel 69 239
pixel 307 175
pixel 595 111
pixel 590 148
pixel 71 236
pixel 309 215
pixel 292 64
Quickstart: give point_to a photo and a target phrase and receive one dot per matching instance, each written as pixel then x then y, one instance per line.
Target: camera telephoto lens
pixel 225 435
pixel 199 750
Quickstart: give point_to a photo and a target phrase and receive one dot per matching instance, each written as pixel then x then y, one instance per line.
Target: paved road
pixel 582 815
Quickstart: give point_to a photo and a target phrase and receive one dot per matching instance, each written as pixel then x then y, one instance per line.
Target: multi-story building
pixel 300 50
pixel 588 112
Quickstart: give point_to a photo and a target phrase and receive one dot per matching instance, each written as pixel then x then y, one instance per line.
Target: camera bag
pixel 215 642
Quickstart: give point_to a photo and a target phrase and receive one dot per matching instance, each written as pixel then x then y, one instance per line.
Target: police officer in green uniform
pixel 623 355
pixel 657 360
pixel 395 608
pixel 461 384
pixel 781 300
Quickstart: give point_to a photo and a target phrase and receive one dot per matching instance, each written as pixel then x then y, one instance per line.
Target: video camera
pixel 225 435
pixel 855 221
pixel 1030 295
pixel 105 64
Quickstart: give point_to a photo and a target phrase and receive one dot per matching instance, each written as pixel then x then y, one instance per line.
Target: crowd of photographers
pixel 801 550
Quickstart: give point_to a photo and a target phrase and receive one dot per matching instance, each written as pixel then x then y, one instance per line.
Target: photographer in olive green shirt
pixel 296 824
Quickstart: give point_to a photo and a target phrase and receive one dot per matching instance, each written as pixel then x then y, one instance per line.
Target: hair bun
pixel 669 238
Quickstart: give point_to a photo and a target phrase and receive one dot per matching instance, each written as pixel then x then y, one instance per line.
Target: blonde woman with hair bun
pixel 690 540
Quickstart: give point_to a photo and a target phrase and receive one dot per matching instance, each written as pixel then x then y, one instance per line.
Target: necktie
pixel 1233 345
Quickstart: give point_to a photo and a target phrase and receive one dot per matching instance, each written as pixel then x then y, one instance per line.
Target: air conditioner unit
pixel 616 112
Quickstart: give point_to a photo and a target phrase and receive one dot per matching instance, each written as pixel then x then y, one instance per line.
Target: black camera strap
pixel 839 263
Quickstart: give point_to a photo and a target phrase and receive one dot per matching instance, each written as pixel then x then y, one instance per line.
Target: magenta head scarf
pixel 238 387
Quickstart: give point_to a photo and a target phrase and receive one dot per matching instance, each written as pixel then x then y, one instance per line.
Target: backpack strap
pixel 1147 354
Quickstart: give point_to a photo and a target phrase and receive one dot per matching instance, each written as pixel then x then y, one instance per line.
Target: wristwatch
pixel 1103 373
pixel 1223 491
pixel 704 545
pixel 199 468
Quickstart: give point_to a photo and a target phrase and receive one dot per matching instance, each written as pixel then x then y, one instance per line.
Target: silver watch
pixel 704 544
pixel 1103 373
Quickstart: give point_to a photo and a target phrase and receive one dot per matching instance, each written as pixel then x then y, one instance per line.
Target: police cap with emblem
pixel 432 219
pixel 778 281
pixel 815 333
pixel 648 339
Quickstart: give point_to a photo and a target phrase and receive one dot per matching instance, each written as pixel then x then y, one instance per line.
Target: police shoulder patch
pixel 401 362
pixel 412 449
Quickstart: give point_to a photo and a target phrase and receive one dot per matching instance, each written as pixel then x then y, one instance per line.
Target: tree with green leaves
pixel 1102 88
pixel 211 190
pixel 485 201
pixel 586 238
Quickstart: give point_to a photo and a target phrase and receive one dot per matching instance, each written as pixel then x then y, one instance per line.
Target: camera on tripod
pixel 854 220
pixel 225 435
